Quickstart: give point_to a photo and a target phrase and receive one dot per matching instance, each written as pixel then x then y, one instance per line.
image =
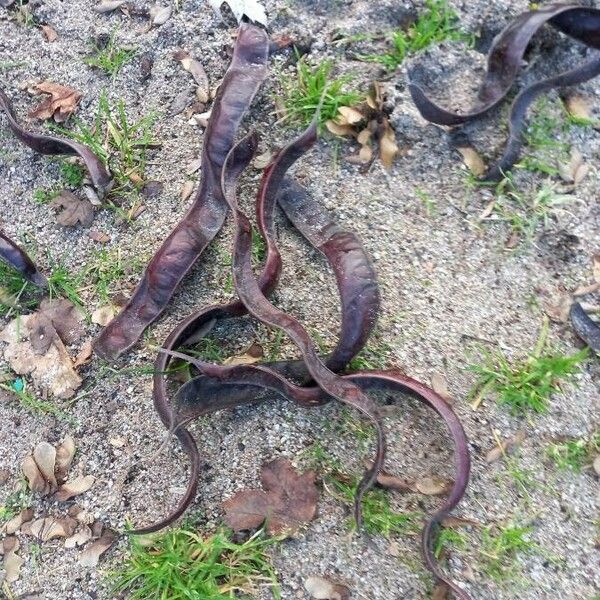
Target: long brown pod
pixel 15 256
pixel 205 217
pixel 506 56
pixel 51 145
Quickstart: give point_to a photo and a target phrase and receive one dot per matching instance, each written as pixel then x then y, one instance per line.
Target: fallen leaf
pixel 49 33
pixel 98 236
pixel 575 170
pixel 253 9
pixel 52 372
pixel 432 486
pixel 193 66
pixel 557 307
pixel 193 166
pixel 440 591
pixel 12 562
pixel 596 465
pixel 65 452
pixel 251 356
pixel 43 333
pixel 596 267
pixel 92 553
pixel 49 528
pixel 82 536
pixel 78 486
pixel 73 210
pixel 35 479
pixel 349 116
pixel 488 210
pixel 262 160
pixel 340 130
pixel 61 103
pixel 578 106
pixel 506 446
pixel 472 160
pixel 103 315
pixel 44 455
pixel 323 589
pixel 388 148
pixel 85 354
pixel 13 525
pixel 159 15
pixel 289 500
pixel 439 384
pixel 455 522
pixel 201 119
pixel 391 482
pixel 186 190
pixel 67 319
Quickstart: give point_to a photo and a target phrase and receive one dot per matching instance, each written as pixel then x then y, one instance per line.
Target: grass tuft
pixel 302 96
pixel 501 549
pixel 182 565
pixel 575 454
pixel 437 24
pixel 109 58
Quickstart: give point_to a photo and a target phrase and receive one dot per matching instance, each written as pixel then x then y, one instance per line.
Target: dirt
pixel 448 285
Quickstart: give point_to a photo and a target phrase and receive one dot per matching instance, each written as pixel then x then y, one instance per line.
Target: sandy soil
pixel 447 281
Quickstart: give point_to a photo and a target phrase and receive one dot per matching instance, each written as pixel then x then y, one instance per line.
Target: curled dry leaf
pixel 66 318
pixel 575 170
pixel 457 522
pixel 92 553
pixel 289 501
pixel 72 210
pixel 49 33
pixel 159 15
pixel 65 452
pixel 388 148
pixel 186 190
pixel 85 354
pixel 61 103
pixel 262 160
pixel 432 486
pixel 201 119
pixel 13 525
pixel 472 160
pixel 52 372
pixel 104 315
pixel 251 356
pixel 440 591
pixel 578 106
pixel 44 455
pixel 349 116
pixel 79 538
pixel 323 589
pixel 12 562
pixel 36 481
pixel 193 66
pixel 49 528
pixel 340 130
pixel 98 236
pixel 439 383
pixel 505 447
pixel 73 488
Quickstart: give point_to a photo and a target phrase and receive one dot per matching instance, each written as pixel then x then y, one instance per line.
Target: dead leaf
pixel 323 589
pixel 49 528
pixel 98 236
pixel 340 130
pixel 252 355
pixel 575 170
pixel 44 455
pixel 108 5
pixel 432 486
pixel 186 190
pixel 289 501
pixel 65 452
pixel 262 160
pixel 52 372
pixel 439 384
pixel 578 106
pixel 35 479
pixel 49 33
pixel 78 486
pixel 103 315
pixel 193 166
pixel 251 8
pixel 388 148
pixel 201 119
pixel 92 553
pixel 596 267
pixel 391 482
pixel 193 66
pixel 557 307
pixel 506 446
pixel 472 160
pixel 13 525
pixel 79 538
pixel 596 465
pixel 455 522
pixel 73 210
pixel 348 116
pixel 66 318
pixel 12 562
pixel 159 15
pixel 43 333
pixel 440 591
pixel 584 290
pixel 85 354
pixel 61 103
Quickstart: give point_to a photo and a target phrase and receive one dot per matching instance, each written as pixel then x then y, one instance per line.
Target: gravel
pixel 448 284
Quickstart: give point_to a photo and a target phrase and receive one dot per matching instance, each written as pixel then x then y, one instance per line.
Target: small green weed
pixel 15 502
pixel 29 401
pixel 208 349
pixel 107 268
pixel 14 290
pixel 575 454
pixel 525 385
pixel 500 549
pixel 45 195
pixel 449 538
pixel 259 247
pixel 63 283
pixel 437 24
pixel 110 58
pixel 72 174
pixel 183 565
pixel 302 97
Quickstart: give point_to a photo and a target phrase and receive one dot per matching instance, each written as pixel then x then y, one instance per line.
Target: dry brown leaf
pixel 193 166
pixel 584 290
pixel 42 334
pixel 53 372
pixel 388 148
pixel 339 130
pixel 195 68
pixel 78 486
pixel 72 210
pixel 82 536
pixel 575 170
pixel 66 318
pixel 578 106
pixel 13 525
pixel 49 33
pixel 488 210
pixel 557 308
pixel 440 591
pixel 61 103
pixel 439 384
pixel 12 562
pixel 432 486
pixel 65 452
pixel 349 116
pixel 186 190
pixel 159 15
pixel 323 589
pixel 455 522
pixel 201 119
pixel 262 160
pixel 35 479
pixel 44 455
pixel 596 465
pixel 251 355
pixel 506 446
pixel 103 315
pixel 49 528
pixel 364 137
pixel 98 236
pixel 85 354
pixel 289 501
pixel 596 267
pixel 92 553
pixel 472 160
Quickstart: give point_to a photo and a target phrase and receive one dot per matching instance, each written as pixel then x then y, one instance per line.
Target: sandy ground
pixel 447 281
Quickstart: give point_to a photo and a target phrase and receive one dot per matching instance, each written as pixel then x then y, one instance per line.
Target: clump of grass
pixel 120 143
pixel 501 548
pixel 575 454
pixel 72 174
pixel 106 270
pixel 302 97
pixel 29 401
pixel 109 57
pixel 15 502
pixel 437 24
pixel 63 283
pixel 14 290
pixel 183 565
pixel 525 385
pixel 45 195
pixel 449 538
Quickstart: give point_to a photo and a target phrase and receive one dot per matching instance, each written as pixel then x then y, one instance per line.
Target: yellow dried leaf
pixel 472 160
pixel 388 148
pixel 340 130
pixel 349 116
